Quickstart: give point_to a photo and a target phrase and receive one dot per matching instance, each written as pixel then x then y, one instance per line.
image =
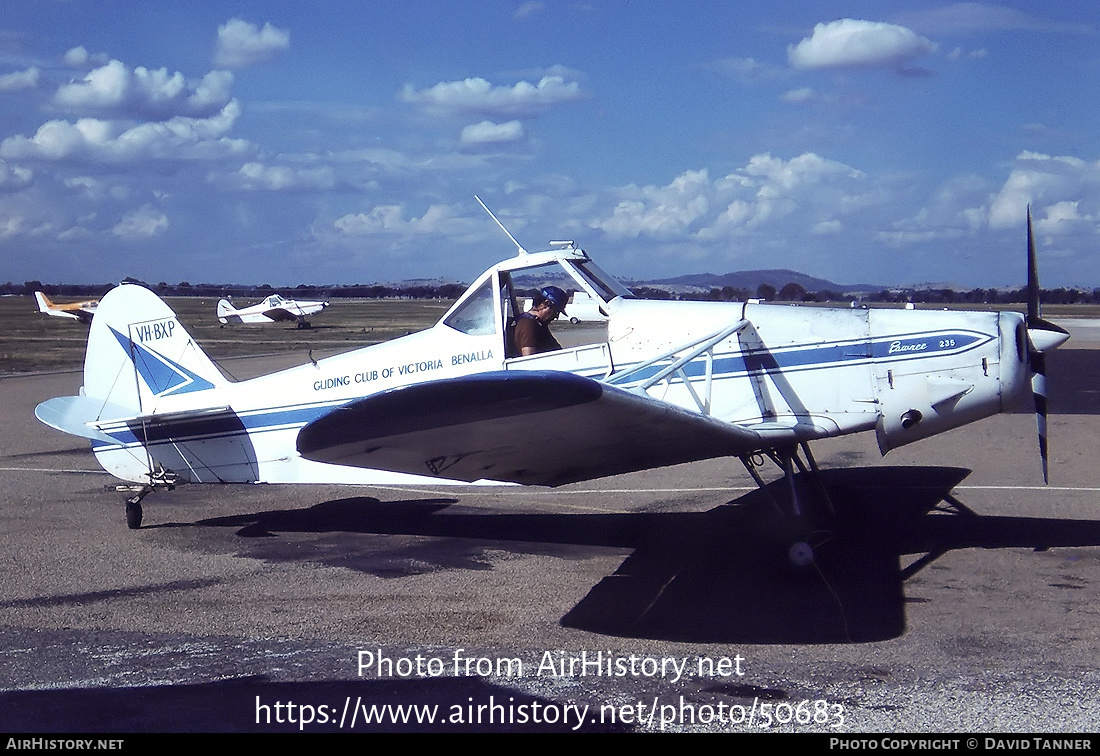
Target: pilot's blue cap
pixel 555 296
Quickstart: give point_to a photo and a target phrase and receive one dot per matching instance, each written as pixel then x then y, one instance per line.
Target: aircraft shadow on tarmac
pixel 723 575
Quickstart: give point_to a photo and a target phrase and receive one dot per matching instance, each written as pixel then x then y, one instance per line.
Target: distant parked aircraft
pixel 272 309
pixel 82 311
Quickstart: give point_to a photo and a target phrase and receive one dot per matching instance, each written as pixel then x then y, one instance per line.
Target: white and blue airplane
pixel 667 382
pixel 272 309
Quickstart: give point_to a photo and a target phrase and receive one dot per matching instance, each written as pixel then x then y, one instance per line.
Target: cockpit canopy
pixel 494 300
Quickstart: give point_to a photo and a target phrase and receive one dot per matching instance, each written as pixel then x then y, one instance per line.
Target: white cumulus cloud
pixel 479 96
pixel 27 79
pixel 488 132
pixel 660 210
pixel 390 219
pixel 853 43
pixel 13 177
pixel 95 140
pixel 768 189
pixel 79 57
pixel 115 90
pixel 1065 218
pixel 1045 181
pixel 255 176
pixel 141 224
pixel 243 44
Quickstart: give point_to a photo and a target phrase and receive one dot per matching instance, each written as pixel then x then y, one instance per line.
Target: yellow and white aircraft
pixel 82 311
pixel 666 382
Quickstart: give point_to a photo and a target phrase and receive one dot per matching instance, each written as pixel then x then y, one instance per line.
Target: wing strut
pixel 694 349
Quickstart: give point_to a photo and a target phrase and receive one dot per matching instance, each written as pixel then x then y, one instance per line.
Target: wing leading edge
pixel 534 428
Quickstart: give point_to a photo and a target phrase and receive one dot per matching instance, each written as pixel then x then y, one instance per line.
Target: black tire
pixel 133 515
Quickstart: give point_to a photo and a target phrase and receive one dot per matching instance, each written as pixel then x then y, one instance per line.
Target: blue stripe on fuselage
pixel 816 357
pixel 789 359
pixel 251 421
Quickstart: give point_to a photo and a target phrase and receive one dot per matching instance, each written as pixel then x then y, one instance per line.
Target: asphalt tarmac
pixel 653 601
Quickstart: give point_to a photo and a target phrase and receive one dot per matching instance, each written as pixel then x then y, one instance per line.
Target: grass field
pixel 31 341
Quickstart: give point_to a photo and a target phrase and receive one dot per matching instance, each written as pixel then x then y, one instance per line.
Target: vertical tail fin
pixel 44 303
pixel 227 313
pixel 153 404
pixel 141 358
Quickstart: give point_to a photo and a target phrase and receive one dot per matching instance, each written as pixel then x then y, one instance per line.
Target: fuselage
pixel 792 373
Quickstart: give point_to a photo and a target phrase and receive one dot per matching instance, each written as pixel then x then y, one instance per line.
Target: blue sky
pixel 342 142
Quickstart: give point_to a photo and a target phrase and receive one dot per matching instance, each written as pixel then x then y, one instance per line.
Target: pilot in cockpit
pixel 532 334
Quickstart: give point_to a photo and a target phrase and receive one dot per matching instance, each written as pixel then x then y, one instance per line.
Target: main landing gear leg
pixel 800 552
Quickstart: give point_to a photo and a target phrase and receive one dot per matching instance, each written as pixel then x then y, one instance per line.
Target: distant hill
pixel 752 279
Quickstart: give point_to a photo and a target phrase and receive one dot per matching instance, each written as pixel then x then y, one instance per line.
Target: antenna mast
pixel 519 246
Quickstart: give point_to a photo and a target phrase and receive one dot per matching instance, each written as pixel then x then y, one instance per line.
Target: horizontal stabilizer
pixel 77 415
pixel 535 428
pixel 90 418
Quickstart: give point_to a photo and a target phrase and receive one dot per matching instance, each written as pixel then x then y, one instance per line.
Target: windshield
pixel 606 286
pixel 476 315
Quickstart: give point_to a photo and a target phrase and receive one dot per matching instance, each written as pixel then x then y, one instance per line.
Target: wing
pixel 536 428
pixel 279 313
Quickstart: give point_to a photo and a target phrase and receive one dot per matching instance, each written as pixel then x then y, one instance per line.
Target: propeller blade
pixel 1039 392
pixel 1042 336
pixel 1032 275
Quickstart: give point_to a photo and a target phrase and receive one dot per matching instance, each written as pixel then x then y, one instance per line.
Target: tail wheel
pixel 133 514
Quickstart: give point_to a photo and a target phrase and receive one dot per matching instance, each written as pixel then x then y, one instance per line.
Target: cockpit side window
pixel 527 282
pixel 476 316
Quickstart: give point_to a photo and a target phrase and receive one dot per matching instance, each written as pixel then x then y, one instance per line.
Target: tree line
pixel 794 292
pixel 791 292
